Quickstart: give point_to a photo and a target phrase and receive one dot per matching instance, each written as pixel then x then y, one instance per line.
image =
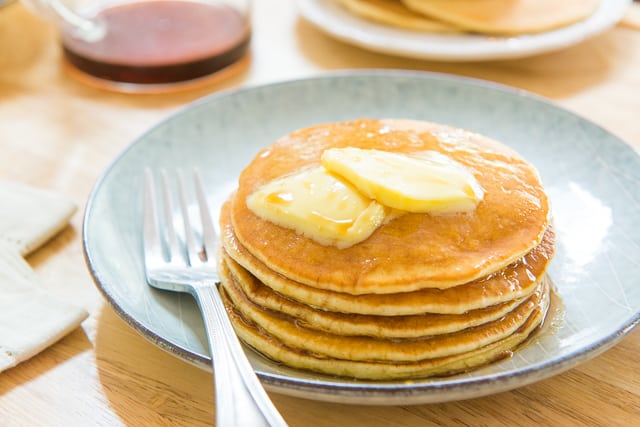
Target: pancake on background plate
pixel 385 249
pixel 506 17
pixel 395 13
pixel 494 17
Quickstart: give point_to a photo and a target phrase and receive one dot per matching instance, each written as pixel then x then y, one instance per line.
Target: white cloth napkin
pixel 31 216
pixel 31 319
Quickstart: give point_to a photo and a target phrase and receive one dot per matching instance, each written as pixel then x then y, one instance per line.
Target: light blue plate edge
pixel 369 393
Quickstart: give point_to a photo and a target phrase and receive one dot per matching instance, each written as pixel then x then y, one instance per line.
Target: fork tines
pixel 194 242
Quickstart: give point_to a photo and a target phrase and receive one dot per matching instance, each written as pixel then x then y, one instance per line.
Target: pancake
pixel 293 334
pixel 505 17
pixel 275 349
pixel 420 294
pixel 240 285
pixel 517 281
pixel 394 13
pixel 414 251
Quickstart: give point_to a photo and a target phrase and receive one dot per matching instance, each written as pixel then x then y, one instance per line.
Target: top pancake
pixel 414 251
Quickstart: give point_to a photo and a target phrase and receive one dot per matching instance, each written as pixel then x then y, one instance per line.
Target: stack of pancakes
pixel 423 295
pixel 499 17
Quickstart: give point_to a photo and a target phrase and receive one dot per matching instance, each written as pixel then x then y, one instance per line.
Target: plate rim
pixel 365 392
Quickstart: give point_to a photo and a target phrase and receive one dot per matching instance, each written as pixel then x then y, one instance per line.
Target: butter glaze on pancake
pixel 302 359
pixel 239 284
pixel 414 251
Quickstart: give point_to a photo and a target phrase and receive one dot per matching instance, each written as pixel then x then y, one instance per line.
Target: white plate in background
pixel 333 19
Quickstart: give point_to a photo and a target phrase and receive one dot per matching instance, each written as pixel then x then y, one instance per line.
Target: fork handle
pixel 240 398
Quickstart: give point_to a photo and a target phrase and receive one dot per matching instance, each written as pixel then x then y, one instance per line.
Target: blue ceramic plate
pixel 592 177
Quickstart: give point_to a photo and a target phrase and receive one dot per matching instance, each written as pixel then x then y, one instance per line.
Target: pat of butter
pixel 320 206
pixel 426 182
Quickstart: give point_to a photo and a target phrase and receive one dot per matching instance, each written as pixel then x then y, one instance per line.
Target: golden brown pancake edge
pixel 274 349
pixel 515 281
pixel 451 249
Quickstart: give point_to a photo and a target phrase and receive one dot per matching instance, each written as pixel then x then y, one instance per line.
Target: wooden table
pixel 58 133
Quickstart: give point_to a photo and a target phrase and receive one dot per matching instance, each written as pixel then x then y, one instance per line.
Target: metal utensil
pixel 183 260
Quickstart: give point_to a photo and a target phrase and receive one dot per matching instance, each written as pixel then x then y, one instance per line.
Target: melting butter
pixel 424 182
pixel 354 191
pixel 320 206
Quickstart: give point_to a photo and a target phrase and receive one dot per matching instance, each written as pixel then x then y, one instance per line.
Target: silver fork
pixel 185 262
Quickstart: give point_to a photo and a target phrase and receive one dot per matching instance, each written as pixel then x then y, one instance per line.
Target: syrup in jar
pixel 162 42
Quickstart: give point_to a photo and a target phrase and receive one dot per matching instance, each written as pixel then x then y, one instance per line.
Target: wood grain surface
pixel 57 132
